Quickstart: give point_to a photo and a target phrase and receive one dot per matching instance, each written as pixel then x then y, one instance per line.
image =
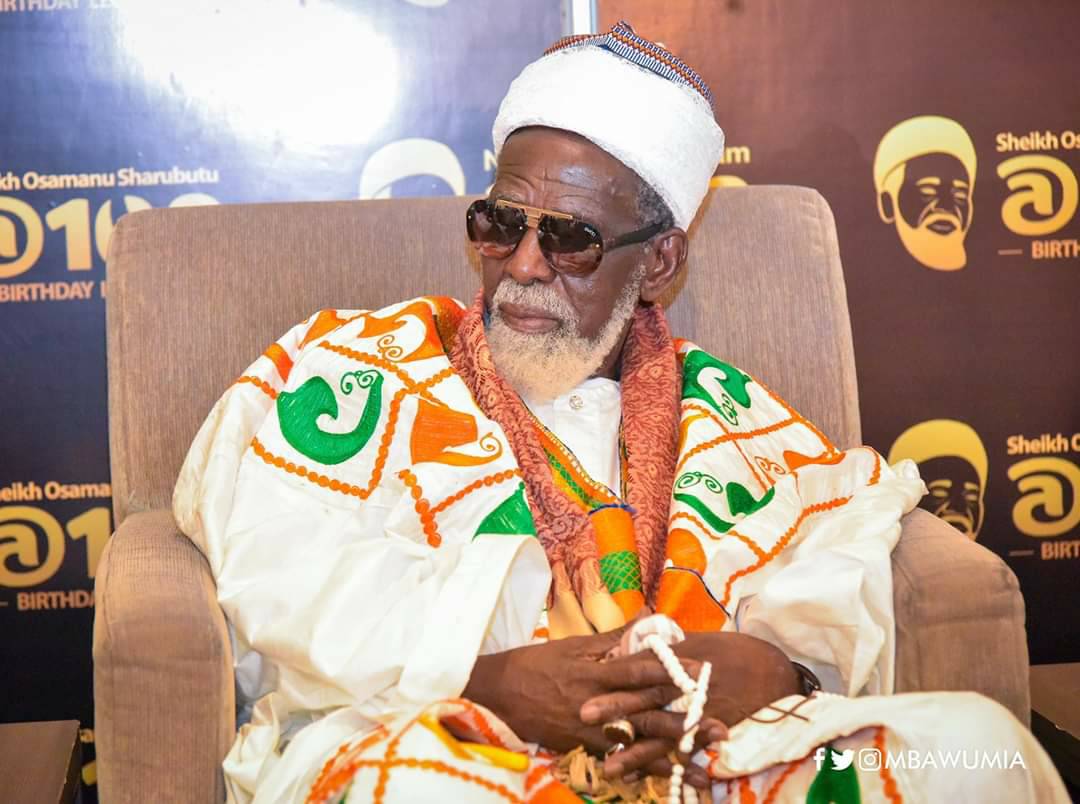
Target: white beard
pixel 542 366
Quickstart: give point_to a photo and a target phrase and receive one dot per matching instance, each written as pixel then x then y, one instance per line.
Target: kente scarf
pixel 650 403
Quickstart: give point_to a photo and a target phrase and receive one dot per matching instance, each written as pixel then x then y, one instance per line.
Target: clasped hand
pixel 559 694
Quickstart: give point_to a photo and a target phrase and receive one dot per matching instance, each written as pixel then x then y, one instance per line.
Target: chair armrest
pixel 163 680
pixel 959 616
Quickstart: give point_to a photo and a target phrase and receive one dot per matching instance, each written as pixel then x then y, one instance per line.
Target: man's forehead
pixel 562 162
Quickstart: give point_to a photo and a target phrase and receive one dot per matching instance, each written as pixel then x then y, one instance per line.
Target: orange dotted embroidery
pixel 892 790
pixel 774 791
pixel 816 508
pixel 262 385
pixel 391 754
pixel 427 513
pixel 326 482
pixel 436 766
pixel 411 385
pixel 728 436
pixel 490 480
pixel 875 476
pixel 481 723
pixel 423 508
pixel 826 443
pixel 750 464
pixel 746 792
pixel 341 767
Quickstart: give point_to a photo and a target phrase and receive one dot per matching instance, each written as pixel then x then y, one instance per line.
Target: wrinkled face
pixel 560 171
pixel 550 331
pixel 955 493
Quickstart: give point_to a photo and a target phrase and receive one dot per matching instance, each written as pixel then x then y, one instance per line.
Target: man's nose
pixel 527 264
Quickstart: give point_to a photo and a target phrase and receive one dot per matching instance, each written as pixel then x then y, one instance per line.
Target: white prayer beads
pixel 692 703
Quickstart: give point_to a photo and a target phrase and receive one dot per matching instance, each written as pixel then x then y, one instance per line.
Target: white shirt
pixel 586 419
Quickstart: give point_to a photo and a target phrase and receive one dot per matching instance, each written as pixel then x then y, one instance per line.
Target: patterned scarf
pixel 651 386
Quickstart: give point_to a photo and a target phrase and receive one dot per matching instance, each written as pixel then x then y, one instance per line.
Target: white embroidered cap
pixel 597 86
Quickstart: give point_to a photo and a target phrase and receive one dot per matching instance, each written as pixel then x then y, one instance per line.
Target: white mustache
pixel 542 297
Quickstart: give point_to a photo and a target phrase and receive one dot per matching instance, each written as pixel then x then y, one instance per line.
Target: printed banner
pixel 946 139
pixel 111 106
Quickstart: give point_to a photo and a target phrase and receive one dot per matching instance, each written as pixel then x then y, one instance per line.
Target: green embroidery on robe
pixel 689 480
pixel 732 380
pixel 706 513
pixel 511 517
pixel 299 411
pixel 832 785
pixel 739 500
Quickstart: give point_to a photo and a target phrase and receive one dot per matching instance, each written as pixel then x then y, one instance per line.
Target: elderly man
pixel 440 533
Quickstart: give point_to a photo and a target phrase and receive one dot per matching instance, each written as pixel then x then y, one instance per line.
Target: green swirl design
pixel 733 382
pixel 690 479
pixel 739 500
pixel 299 411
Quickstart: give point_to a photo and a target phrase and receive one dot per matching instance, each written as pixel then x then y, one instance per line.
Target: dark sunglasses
pixel 570 246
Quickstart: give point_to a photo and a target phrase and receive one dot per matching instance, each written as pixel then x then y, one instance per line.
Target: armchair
pixel 194 294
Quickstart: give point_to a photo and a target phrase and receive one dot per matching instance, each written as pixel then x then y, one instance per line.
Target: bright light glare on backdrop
pixel 307 74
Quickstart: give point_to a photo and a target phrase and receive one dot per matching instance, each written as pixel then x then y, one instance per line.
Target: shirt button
pixel 576 402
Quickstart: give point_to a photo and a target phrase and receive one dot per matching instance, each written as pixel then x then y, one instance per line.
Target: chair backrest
pixel 196 294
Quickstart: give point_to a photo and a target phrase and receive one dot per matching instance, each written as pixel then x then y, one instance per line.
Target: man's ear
pixel 667 261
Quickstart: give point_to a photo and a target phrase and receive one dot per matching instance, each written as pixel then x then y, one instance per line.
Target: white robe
pixel 345 616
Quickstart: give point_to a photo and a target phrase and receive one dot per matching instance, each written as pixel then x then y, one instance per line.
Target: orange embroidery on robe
pixel 774 791
pixel 326 321
pixel 281 360
pixel 727 437
pixel 262 385
pixel 746 792
pixel 438 427
pixel 796 460
pixel 892 790
pixel 876 474
pixel 338 771
pixel 384 330
pixel 825 442
pixel 816 508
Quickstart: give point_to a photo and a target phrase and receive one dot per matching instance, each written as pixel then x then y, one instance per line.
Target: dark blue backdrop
pixel 272 100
